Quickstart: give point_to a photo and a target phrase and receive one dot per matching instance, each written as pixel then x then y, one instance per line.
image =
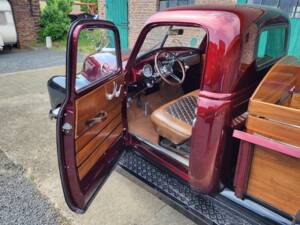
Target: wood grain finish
pixel 85 138
pixel 295 100
pixel 141 125
pixel 278 131
pixel 274 112
pixel 88 164
pixel 275 179
pixel 85 152
pixel 89 105
pixel 93 141
pixel 275 86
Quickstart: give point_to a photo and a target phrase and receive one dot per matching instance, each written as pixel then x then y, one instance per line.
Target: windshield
pixel 172 36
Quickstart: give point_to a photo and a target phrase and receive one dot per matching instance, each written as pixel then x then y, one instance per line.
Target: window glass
pixel 297 11
pixel 254 2
pixel 3 20
pixel 163 4
pixel 288 6
pixel 96 57
pixel 271 44
pixel 291 7
pixel 270 2
pixel 173 36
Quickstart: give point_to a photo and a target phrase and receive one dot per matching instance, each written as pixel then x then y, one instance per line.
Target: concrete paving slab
pixel 28 138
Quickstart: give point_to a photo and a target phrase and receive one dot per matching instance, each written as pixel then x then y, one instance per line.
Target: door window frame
pixel 295 13
pixel 270 62
pixel 177 3
pixel 76 198
pixel 73 44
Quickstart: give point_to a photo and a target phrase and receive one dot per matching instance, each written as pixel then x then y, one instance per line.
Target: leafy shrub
pixel 54 20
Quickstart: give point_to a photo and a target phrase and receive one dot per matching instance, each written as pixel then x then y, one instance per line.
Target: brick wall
pixel 140 10
pixel 215 1
pixel 26 18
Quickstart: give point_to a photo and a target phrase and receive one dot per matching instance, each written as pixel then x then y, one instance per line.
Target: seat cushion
pixel 174 120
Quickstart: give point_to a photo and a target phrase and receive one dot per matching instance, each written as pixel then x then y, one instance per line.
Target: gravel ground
pixel 20 202
pixel 19 60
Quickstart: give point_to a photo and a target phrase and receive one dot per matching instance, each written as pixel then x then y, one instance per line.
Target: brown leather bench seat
pixel 174 120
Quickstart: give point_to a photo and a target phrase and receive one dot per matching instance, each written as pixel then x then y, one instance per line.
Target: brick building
pixel 26 15
pixel 140 10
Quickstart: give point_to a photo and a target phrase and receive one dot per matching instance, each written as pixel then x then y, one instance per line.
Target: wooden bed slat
pixel 274 130
pixel 275 179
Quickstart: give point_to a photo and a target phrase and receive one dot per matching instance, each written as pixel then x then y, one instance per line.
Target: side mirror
pixel 53 113
pixel 175 32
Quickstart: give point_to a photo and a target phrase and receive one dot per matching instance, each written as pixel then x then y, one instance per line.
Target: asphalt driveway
pixel 15 60
pixel 20 200
pixel 28 140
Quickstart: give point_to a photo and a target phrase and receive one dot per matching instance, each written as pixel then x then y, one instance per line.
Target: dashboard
pixel 145 69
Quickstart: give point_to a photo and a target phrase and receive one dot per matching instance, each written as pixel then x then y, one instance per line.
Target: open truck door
pixel 90 125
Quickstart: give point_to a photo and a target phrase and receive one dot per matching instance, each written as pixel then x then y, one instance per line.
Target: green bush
pixel 54 20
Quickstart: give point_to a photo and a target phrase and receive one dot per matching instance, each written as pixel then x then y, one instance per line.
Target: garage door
pixel 292 8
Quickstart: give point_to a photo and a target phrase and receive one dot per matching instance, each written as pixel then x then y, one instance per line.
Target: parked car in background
pixel 168 113
pixel 8 33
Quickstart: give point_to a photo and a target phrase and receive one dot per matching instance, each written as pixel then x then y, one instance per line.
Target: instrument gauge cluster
pixel 148 70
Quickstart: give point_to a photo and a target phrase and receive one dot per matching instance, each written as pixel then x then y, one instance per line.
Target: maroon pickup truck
pixel 166 114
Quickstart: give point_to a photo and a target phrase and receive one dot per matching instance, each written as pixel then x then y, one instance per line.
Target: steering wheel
pixel 166 71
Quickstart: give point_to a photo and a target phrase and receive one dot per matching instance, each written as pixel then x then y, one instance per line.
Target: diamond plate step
pixel 206 208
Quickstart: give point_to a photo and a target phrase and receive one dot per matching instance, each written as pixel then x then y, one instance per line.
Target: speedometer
pixel 148 71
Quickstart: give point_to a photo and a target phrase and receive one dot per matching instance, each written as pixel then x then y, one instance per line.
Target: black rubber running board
pixel 207 209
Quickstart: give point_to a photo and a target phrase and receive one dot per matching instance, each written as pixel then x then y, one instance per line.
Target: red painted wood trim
pixel 270 144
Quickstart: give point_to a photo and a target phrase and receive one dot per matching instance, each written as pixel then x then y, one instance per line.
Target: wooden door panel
pixel 88 164
pixel 89 124
pixel 92 141
pixel 89 105
pixel 85 152
pixel 85 138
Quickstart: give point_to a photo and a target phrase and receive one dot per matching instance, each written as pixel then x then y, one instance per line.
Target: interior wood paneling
pixel 88 164
pixel 89 105
pixel 275 179
pixel 92 141
pixel 140 124
pixel 85 152
pixel 274 130
pixel 85 138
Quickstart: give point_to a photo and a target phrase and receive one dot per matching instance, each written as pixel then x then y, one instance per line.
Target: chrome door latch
pixel 66 128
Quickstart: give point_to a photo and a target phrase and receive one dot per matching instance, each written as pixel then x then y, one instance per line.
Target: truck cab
pixel 175 101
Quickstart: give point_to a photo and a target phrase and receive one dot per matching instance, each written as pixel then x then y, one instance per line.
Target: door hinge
pixel 66 128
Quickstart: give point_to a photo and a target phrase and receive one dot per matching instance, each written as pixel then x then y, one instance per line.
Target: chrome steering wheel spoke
pixel 166 71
